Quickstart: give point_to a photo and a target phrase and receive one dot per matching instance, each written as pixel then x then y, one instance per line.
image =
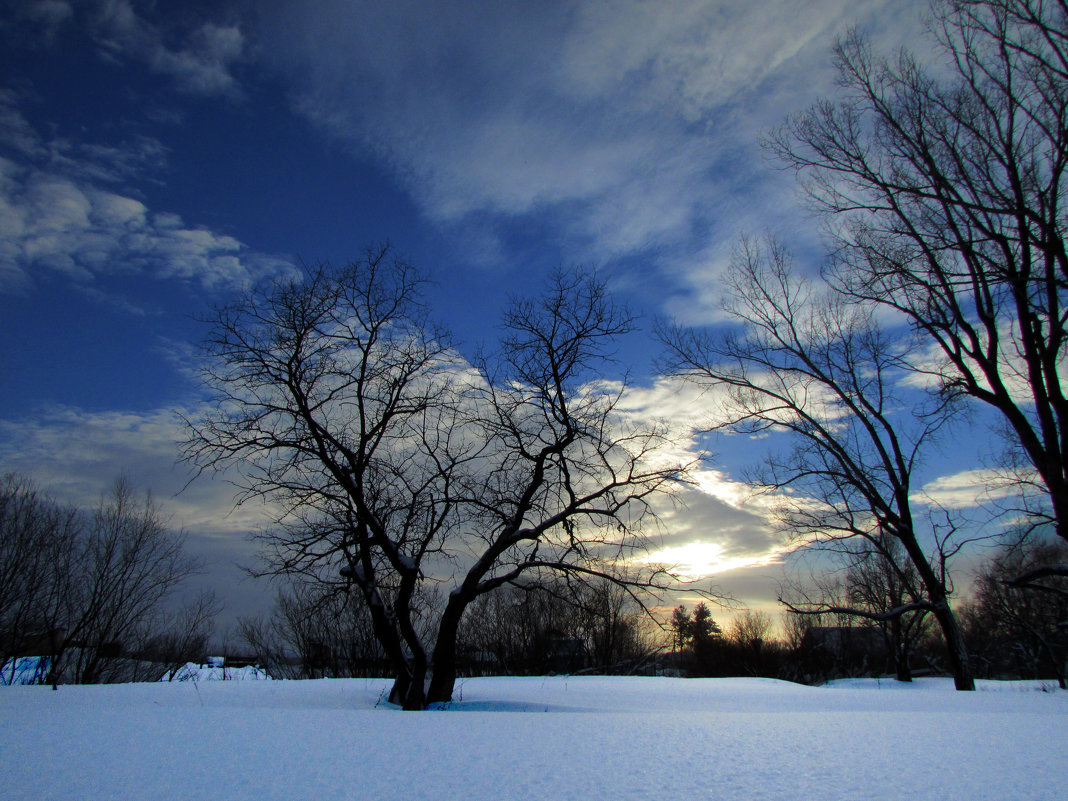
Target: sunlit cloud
pixel 718 523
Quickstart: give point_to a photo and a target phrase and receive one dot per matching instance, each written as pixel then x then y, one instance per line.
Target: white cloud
pixel 46 17
pixel 75 455
pixel 63 210
pixel 52 222
pixel 702 559
pixel 202 65
pixel 198 56
pixel 717 524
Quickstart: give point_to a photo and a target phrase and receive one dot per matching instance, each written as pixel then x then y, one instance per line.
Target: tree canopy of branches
pixel 1015 631
pixel 399 466
pixel 819 370
pixel 944 186
pixel 95 582
pixel 557 626
pixel 875 581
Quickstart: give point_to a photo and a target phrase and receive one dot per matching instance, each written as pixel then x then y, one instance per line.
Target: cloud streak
pixel 974 488
pixel 77 453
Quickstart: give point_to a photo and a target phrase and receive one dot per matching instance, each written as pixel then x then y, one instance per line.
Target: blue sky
pixel 157 157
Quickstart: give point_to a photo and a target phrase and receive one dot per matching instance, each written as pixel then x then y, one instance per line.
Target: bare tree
pixel 749 629
pixel 94 582
pixel 749 646
pixel 619 636
pixel 315 630
pixel 873 580
pixel 557 625
pixel 126 566
pixel 398 466
pixel 821 372
pixel 570 480
pixel 883 579
pixel 945 185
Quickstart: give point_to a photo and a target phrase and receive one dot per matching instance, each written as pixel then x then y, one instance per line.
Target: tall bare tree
pixel 398 466
pixel 125 567
pixel 945 185
pixel 880 580
pixel 821 372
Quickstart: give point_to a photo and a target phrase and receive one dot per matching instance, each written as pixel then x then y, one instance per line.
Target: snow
pixel 24 669
pixel 554 738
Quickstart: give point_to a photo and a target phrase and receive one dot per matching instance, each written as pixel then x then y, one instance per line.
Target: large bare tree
pixel 820 373
pixel 400 467
pixel 944 184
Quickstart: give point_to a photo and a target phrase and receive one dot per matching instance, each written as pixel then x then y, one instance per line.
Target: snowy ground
pixel 535 738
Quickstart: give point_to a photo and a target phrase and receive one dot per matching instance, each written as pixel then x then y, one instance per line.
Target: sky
pixel 157 158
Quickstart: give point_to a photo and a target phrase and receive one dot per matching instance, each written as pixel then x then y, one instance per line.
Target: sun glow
pixel 699 559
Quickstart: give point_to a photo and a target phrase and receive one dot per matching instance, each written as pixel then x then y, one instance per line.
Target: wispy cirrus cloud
pixel 630 125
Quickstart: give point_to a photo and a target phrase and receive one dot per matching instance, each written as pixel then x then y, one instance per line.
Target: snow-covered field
pixel 535 738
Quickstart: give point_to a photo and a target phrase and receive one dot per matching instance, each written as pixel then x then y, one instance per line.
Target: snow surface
pixel 536 738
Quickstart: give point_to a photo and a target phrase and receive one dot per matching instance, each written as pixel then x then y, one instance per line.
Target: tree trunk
pixel 443 680
pixel 902 668
pixel 958 653
pixel 409 684
pixel 409 691
pixel 900 650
